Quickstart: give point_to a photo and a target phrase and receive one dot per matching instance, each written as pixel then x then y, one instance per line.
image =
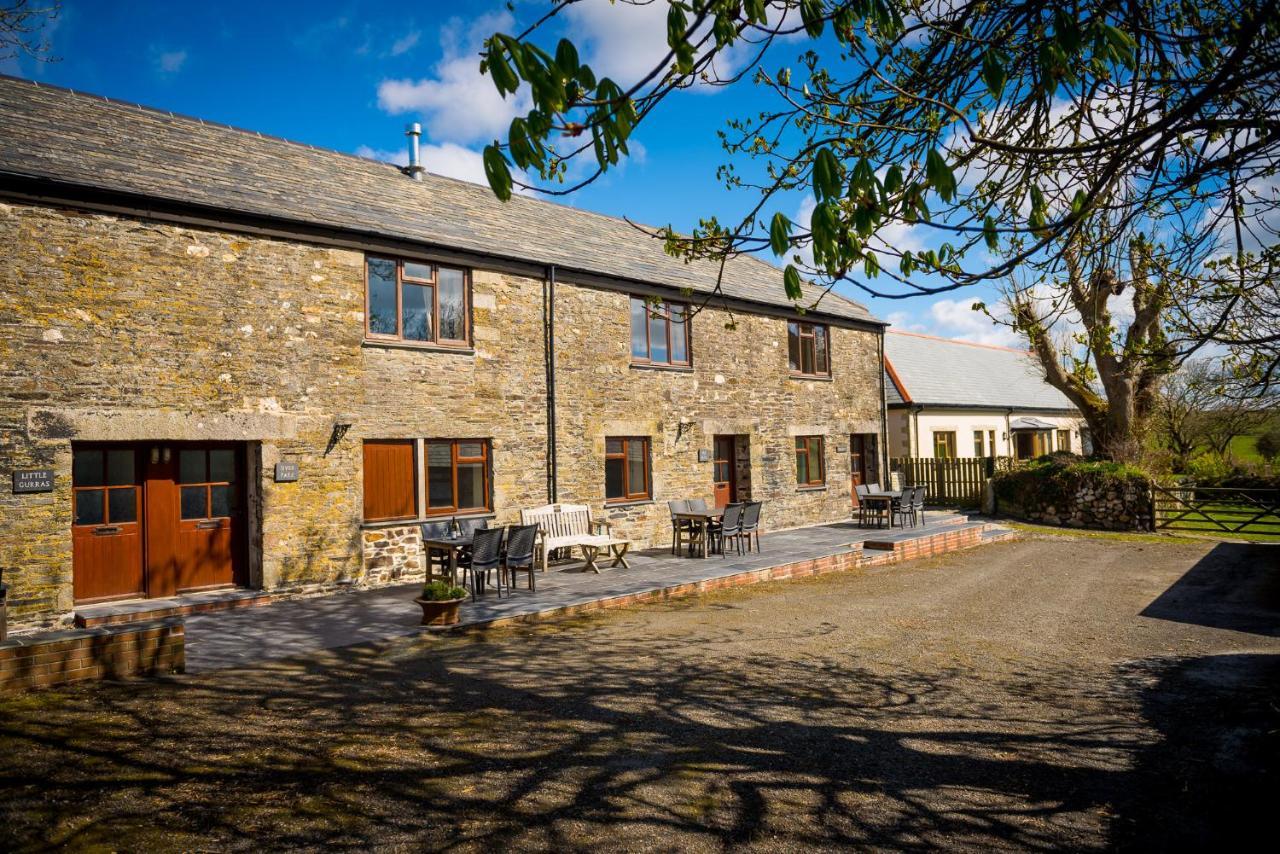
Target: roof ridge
pixel 522 199
pixel 960 341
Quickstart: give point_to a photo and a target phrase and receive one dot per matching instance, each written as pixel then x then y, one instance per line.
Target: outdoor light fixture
pixel 340 429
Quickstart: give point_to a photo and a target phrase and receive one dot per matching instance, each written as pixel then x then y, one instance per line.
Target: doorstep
pixel 147 610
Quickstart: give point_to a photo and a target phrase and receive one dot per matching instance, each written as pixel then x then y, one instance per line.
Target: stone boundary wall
pixel 1088 501
pixel 79 655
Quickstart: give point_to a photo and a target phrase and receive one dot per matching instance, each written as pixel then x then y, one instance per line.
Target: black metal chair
pixel 917 503
pixel 751 523
pixel 731 527
pixel 902 508
pixel 486 556
pixel 520 552
pixel 861 491
pixel 438 561
pixel 679 527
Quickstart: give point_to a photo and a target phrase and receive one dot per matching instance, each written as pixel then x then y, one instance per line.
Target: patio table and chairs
pixel 885 506
pixel 705 530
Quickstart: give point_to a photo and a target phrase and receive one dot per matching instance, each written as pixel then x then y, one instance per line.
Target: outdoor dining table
pixel 451 547
pixel 701 520
pixel 885 498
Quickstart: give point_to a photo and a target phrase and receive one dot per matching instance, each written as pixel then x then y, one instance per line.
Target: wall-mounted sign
pixel 842 449
pixel 286 472
pixel 33 480
pixel 704 456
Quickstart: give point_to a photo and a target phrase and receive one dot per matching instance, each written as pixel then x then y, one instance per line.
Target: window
pixel 659 333
pixel 416 302
pixel 1064 440
pixel 457 476
pixel 390 471
pixel 626 469
pixel 810 469
pixel 977 444
pixel 944 444
pixel 807 349
pixel 207 477
pixel 105 484
pixel 991 441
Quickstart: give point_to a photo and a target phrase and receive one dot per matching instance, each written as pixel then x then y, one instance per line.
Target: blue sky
pixel 349 75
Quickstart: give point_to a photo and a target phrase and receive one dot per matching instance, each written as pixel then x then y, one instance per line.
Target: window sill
pixel 811 377
pixel 622 505
pixel 379 344
pixel 674 369
pixel 822 488
pixel 392 523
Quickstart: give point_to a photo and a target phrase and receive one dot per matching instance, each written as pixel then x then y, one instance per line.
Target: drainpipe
pixel 549 348
pixel 1008 432
pixel 915 431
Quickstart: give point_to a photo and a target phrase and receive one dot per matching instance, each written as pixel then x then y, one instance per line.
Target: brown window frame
pixel 486 457
pixel 105 488
pixel 950 443
pixel 651 311
pixel 628 493
pixel 413 475
pixel 1063 441
pixel 979 436
pixel 807 332
pixel 434 283
pixel 805 446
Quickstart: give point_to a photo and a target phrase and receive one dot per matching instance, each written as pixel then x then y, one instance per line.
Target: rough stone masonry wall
pixel 113 328
pixel 739 385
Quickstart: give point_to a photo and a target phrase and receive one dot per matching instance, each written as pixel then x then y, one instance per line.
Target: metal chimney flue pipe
pixel 415 169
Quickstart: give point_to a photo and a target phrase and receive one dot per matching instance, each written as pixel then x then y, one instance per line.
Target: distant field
pixel 1245 449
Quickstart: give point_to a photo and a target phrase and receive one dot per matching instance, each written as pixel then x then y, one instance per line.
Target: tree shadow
pixel 1235 586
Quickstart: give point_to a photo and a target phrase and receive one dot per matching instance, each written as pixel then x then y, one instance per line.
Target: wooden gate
pixel 1217 510
pixel 957 482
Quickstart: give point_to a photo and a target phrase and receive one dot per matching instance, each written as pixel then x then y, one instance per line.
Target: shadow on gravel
pixel 1235 586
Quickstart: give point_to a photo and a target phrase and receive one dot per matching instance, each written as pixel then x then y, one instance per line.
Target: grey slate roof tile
pixel 959 373
pixel 88 141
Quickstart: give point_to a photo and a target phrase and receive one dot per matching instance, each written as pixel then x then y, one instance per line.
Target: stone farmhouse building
pixel 959 399
pixel 233 361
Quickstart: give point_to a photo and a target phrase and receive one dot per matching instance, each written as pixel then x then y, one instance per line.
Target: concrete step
pixel 148 610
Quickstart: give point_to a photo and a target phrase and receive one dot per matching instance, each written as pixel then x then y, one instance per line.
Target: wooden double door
pixel 157 519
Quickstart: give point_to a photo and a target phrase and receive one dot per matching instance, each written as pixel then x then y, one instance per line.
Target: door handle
pixel 103 530
pixel 208 524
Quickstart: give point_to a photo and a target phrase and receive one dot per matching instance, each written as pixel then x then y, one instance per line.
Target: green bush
pixel 1054 481
pixel 441 591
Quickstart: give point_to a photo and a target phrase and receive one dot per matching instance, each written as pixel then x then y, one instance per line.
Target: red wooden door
pixel 723 464
pixel 208 524
pixel 106 532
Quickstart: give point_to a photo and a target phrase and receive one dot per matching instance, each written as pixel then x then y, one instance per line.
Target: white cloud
pixel 171 62
pixel 447 159
pixel 405 43
pixel 399 158
pixel 458 104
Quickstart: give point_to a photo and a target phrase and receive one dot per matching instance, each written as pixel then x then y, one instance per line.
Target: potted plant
pixel 440 601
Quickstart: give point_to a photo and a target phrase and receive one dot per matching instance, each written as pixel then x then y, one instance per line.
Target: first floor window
pixel 807 349
pixel 457 476
pixel 415 301
pixel 626 469
pixel 390 472
pixel 1064 440
pixel 944 444
pixel 659 332
pixel 810 470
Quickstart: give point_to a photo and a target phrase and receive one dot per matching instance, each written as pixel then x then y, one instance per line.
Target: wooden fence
pixel 957 482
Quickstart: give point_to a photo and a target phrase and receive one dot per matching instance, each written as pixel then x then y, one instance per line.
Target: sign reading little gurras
pixel 33 480
pixel 286 472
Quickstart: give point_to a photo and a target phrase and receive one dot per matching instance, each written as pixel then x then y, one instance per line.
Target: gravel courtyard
pixel 1054 692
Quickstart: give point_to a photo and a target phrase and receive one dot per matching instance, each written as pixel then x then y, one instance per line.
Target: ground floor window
pixel 457 476
pixel 626 469
pixel 977 444
pixel 390 471
pixel 810 461
pixel 1064 440
pixel 944 444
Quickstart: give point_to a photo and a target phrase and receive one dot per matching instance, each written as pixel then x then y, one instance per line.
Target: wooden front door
pixel 106 530
pixel 724 463
pixel 863 461
pixel 187 531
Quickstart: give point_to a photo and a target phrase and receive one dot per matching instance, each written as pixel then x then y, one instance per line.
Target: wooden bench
pixel 563 526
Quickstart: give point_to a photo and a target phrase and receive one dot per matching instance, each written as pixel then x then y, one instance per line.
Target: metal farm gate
pixel 1216 510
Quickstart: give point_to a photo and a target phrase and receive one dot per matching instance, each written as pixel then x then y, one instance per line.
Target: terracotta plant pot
pixel 439 612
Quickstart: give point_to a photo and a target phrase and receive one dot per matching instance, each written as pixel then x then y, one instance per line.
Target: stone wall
pixel 113 328
pixel 1079 495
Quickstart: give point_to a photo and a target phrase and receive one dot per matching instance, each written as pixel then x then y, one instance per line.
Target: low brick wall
pixel 109 652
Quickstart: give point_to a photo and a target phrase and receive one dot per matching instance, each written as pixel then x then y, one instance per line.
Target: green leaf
pixel 826 175
pixel 940 176
pixel 779 233
pixel 1066 29
pixel 677 25
pixel 993 72
pixel 567 57
pixel 497 172
pixel 791 282
pixel 893 179
pixel 811 15
pixel 1078 202
pixel 989 232
pixel 504 77
pixel 755 10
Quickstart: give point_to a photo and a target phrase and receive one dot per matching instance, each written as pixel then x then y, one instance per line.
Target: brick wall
pixel 80 655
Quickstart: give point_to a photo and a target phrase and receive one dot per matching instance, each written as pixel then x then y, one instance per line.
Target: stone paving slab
pixel 298 627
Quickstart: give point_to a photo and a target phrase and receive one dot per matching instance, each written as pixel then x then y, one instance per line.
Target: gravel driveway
pixel 1047 693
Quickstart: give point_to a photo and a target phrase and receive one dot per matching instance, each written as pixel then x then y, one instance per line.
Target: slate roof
pixel 97 143
pixel 941 372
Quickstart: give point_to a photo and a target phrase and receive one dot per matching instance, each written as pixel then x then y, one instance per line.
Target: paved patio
pixel 285 629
